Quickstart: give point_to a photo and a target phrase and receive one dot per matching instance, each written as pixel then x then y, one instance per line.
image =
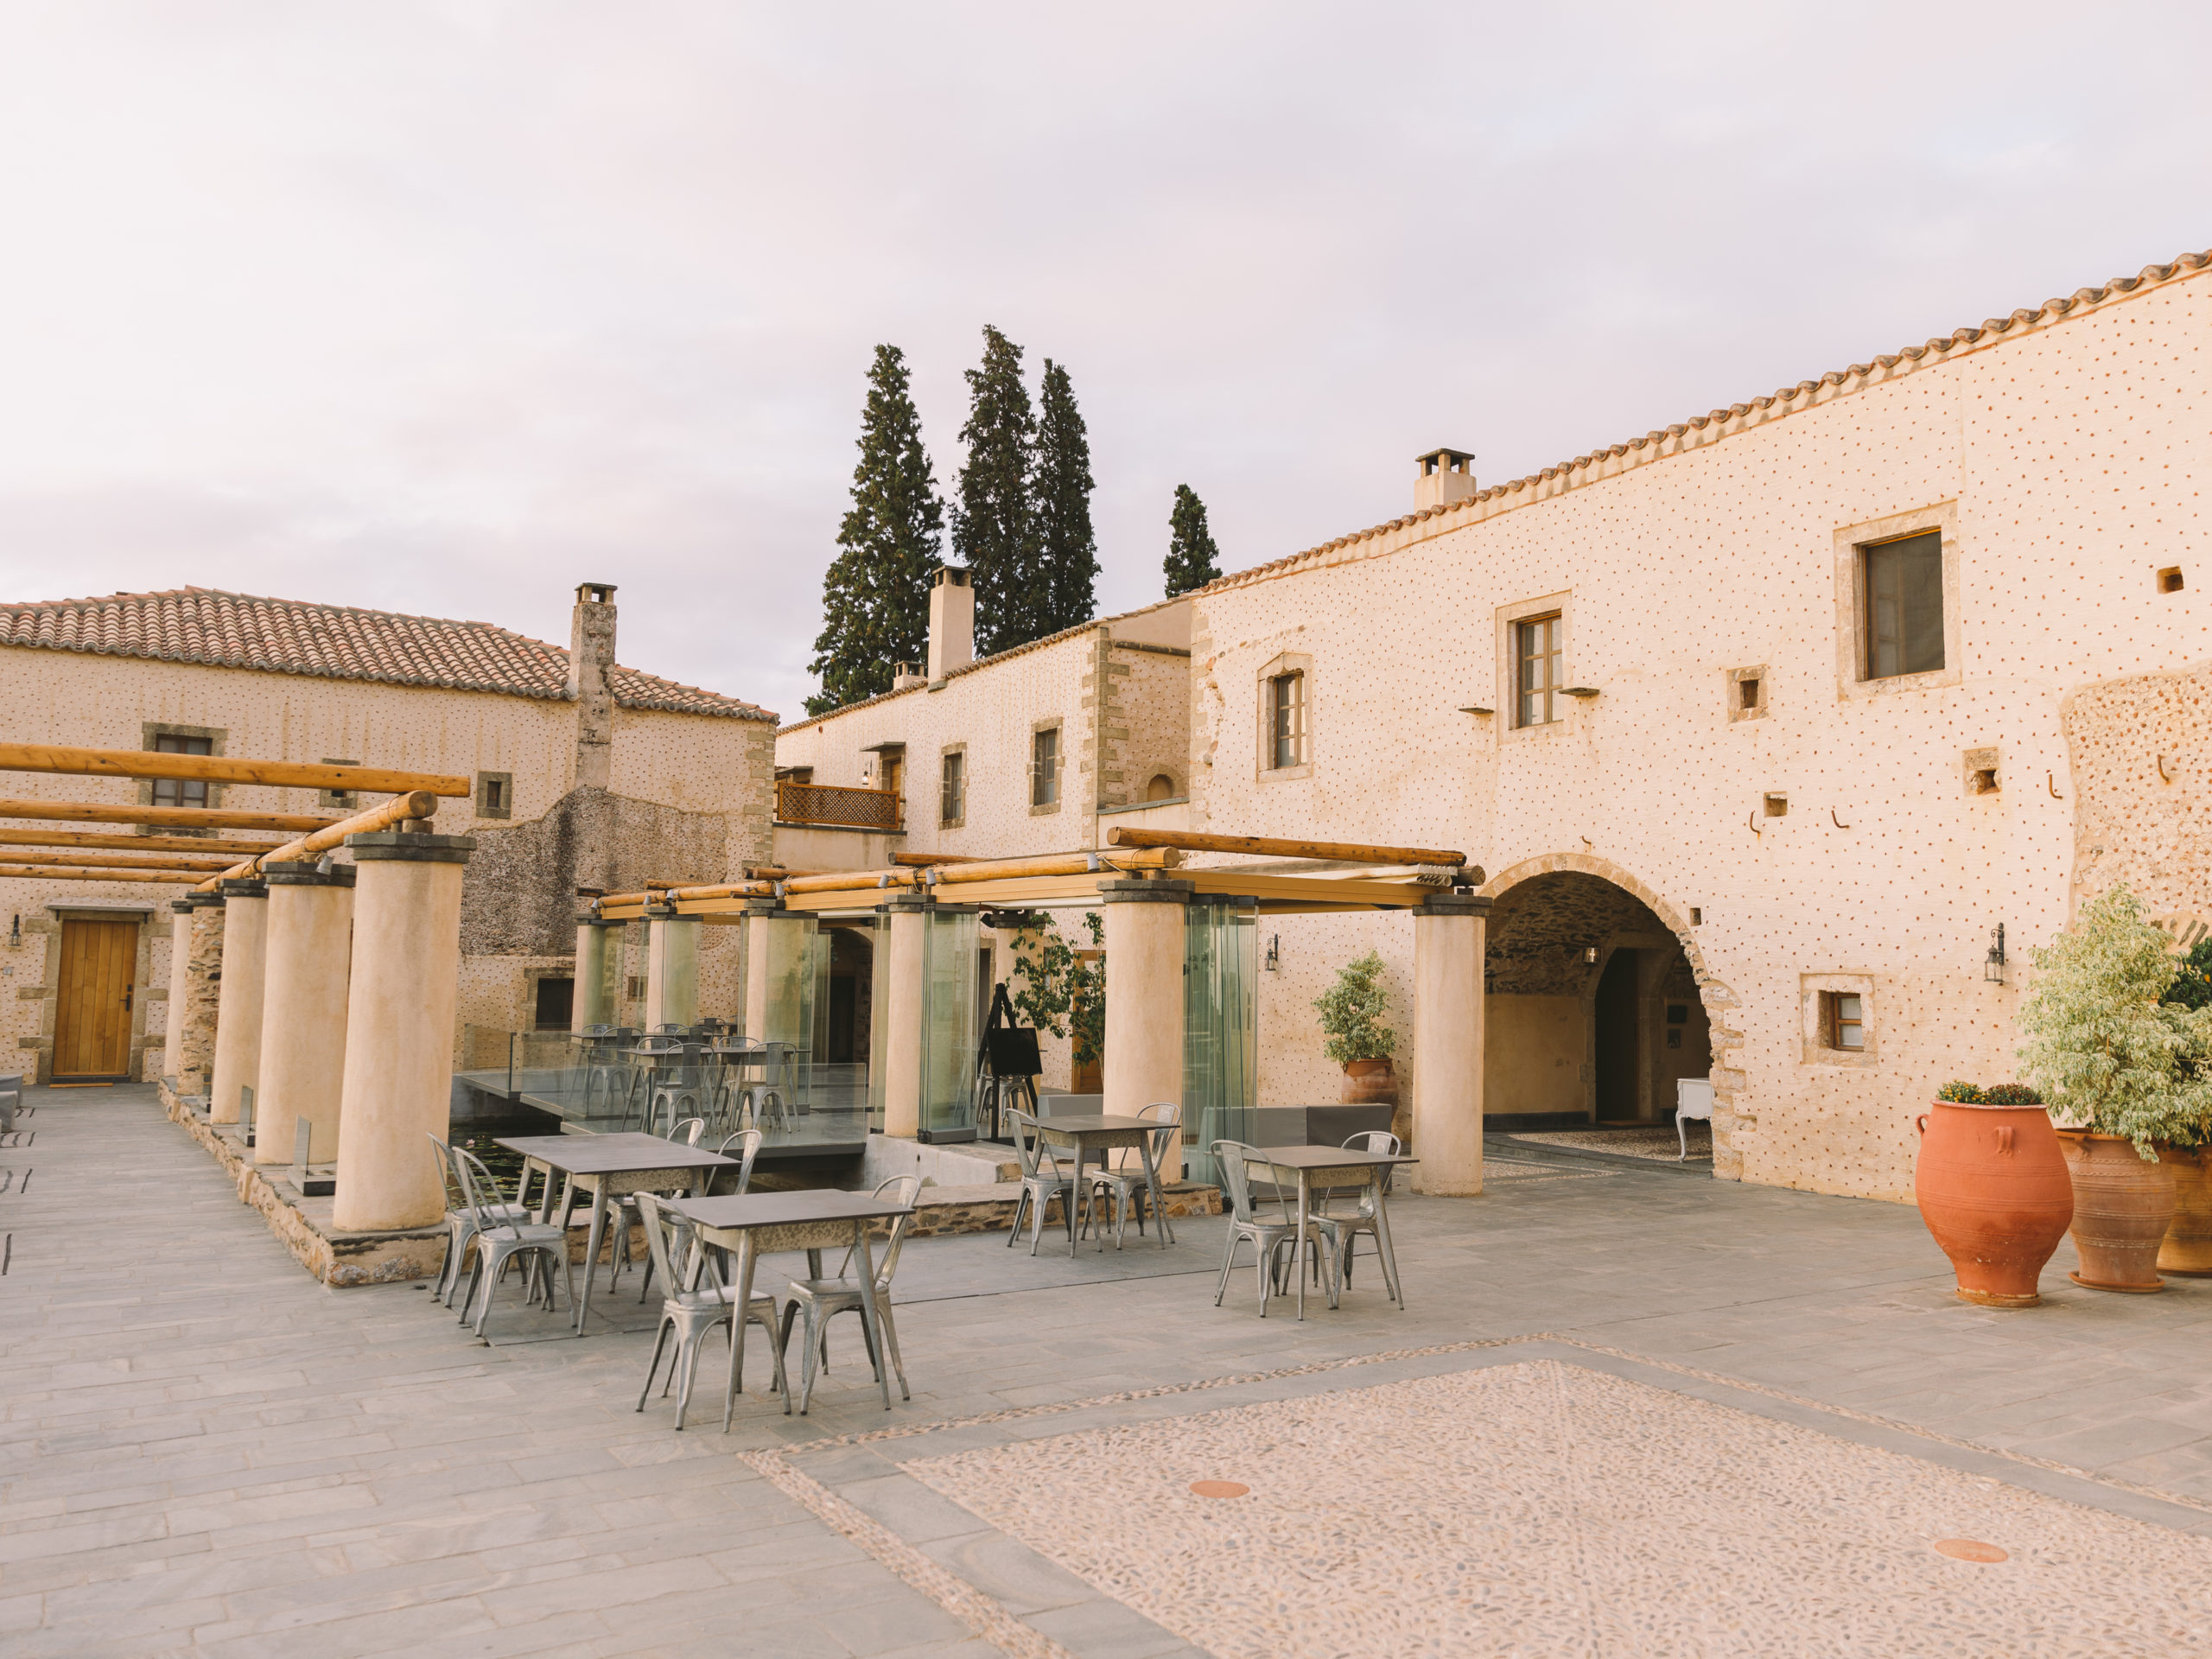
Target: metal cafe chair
pixel 1268 1239
pixel 1341 1231
pixel 500 1244
pixel 688 1131
pixel 721 1184
pixel 821 1299
pixel 461 1221
pixel 692 1313
pixel 1126 1184
pixel 1042 1180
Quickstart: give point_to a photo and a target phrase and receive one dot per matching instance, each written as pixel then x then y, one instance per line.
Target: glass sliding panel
pixel 1220 973
pixel 788 1027
pixel 878 1018
pixel 950 940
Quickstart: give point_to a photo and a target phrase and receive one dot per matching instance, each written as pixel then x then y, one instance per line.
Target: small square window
pixel 1747 694
pixel 1678 1013
pixel 556 1003
pixel 1777 807
pixel 495 794
pixel 1843 1021
pixel 2170 580
pixel 1673 1036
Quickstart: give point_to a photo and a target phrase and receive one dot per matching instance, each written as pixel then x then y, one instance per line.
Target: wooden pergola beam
pixel 417 804
pixel 981 869
pixel 214 769
pixel 1195 841
pixel 174 817
pixel 38 872
pixel 117 861
pixel 214 846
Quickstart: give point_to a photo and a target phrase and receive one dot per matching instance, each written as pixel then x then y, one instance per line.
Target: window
pixel 952 802
pixel 495 794
pixel 1903 583
pixel 1843 1023
pixel 1286 721
pixel 180 792
pixel 1536 677
pixel 1045 767
pixel 556 1003
pixel 2170 580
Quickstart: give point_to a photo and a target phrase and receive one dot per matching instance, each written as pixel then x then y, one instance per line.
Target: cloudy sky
pixel 446 308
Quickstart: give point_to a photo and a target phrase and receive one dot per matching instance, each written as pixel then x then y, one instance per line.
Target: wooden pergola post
pixel 1449 946
pixel 237 1008
pixel 303 1010
pixel 1144 936
pixel 399 1025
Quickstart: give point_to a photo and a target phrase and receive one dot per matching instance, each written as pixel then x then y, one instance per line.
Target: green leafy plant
pixel 2010 1094
pixel 2107 1052
pixel 2192 986
pixel 1351 1013
pixel 1059 991
pixel 1962 1094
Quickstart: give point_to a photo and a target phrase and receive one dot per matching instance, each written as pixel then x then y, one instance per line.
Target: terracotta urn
pixel 2122 1203
pixel 1993 1189
pixel 1369 1082
pixel 2188 1247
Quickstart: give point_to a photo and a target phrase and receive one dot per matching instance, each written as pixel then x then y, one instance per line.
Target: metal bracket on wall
pixel 1834 820
pixel 2051 784
pixel 2163 776
pixel 1754 822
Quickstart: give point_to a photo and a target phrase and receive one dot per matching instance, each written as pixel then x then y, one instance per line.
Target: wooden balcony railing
pixel 852 809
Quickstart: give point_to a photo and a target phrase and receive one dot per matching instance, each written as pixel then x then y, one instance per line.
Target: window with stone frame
pixel 1901 583
pixel 180 792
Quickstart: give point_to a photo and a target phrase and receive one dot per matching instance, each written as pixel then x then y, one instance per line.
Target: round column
pixel 399 1028
pixel 1144 922
pixel 237 1008
pixel 671 969
pixel 303 1011
pixel 1447 1115
pixel 179 962
pixel 203 959
pixel 599 963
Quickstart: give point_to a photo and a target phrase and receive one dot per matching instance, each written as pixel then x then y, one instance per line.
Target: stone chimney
pixel 904 677
pixel 591 663
pixel 1447 475
pixel 952 621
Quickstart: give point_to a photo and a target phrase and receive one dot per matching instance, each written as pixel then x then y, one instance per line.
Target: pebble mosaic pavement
pixel 1658 1145
pixel 1561 1510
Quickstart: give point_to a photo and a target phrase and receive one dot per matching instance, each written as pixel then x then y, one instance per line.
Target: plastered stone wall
pixel 1148 726
pixel 2061 459
pixel 2141 752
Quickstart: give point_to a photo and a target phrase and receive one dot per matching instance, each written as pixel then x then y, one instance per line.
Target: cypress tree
pixel 1068 551
pixel 875 595
pixel 993 528
pixel 1192 559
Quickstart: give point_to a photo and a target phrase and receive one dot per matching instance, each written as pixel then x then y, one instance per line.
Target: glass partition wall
pixel 950 941
pixel 1220 1008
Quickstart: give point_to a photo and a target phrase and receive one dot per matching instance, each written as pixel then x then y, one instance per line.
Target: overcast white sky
pixel 445 307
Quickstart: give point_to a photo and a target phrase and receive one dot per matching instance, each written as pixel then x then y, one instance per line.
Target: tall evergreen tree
pixel 875 596
pixel 1067 550
pixel 1192 559
pixel 993 528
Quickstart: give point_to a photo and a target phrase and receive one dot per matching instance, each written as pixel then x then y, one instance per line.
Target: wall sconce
pixel 1274 964
pixel 1992 965
pixel 16 935
pixel 1590 955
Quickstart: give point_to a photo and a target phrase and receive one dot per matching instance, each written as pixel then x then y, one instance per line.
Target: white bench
pixel 1692 1098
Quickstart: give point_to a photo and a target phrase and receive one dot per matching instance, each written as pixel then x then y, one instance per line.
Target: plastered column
pixel 399 1029
pixel 1447 1118
pixel 238 1009
pixel 905 993
pixel 1144 938
pixel 203 961
pixel 599 961
pixel 671 971
pixel 180 961
pixel 303 1010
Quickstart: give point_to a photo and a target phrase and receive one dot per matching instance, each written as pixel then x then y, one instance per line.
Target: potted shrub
pixel 1352 1016
pixel 2187 1248
pixel 1992 1190
pixel 2119 1066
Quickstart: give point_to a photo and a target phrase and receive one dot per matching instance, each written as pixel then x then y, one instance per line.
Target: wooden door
pixel 92 1018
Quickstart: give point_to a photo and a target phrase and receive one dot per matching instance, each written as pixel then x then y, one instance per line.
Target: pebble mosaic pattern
pixel 1660 1145
pixel 1566 1510
pixel 1507 1169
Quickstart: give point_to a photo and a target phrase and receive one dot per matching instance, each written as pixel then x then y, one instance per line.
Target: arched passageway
pixel 1592 1009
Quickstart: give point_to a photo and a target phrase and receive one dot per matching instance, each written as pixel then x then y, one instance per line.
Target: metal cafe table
pixel 1090 1131
pixel 755 1224
pixel 610 1167
pixel 1329 1167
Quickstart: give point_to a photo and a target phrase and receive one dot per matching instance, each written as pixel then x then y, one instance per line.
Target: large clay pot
pixel 1369 1082
pixel 1992 1190
pixel 2188 1247
pixel 2122 1203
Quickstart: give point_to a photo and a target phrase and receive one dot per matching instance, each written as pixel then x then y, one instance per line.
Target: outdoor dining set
pixel 1301 1208
pixel 651 1080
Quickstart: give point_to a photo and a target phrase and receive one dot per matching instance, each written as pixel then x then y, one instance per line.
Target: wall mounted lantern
pixel 16 935
pixel 1590 955
pixel 1274 964
pixel 1992 965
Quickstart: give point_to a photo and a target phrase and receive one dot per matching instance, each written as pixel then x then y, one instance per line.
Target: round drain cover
pixel 1225 1489
pixel 1970 1549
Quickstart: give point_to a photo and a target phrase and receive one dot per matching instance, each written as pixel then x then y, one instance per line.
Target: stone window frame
pixel 1508 681
pixel 1738 709
pixel 959 820
pixel 1851 543
pixel 338 800
pixel 216 735
pixel 1811 989
pixel 1280 666
pixel 484 807
pixel 1055 724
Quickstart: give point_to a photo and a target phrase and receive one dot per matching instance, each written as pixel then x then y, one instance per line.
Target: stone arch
pixel 1715 998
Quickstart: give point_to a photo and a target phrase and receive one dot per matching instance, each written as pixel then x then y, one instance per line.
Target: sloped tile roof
pixel 337 642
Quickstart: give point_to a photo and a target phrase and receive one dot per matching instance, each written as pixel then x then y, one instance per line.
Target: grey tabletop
pixel 783 1208
pixel 610 1154
pixel 1094 1123
pixel 1327 1157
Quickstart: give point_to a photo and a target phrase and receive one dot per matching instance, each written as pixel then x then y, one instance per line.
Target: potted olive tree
pixel 2124 1072
pixel 1352 1017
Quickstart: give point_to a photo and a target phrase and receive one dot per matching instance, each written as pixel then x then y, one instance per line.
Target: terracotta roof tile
pixel 338 642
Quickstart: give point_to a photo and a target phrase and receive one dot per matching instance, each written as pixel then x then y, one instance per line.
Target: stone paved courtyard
pixel 1629 1409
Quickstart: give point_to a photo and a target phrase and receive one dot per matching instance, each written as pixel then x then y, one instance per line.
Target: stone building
pixel 1762 726
pixel 586 774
